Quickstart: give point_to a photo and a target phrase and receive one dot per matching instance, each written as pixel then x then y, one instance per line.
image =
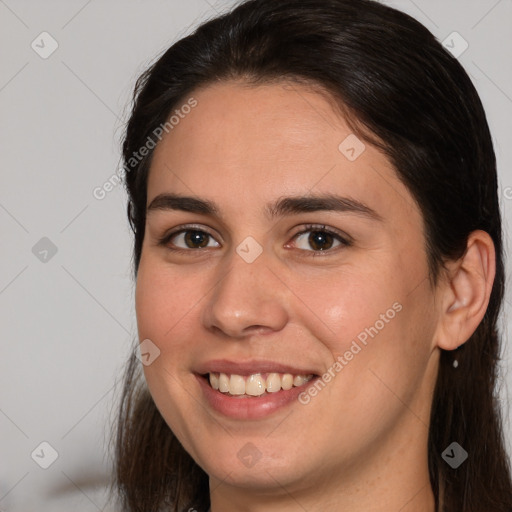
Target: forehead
pixel 243 145
pixel 250 125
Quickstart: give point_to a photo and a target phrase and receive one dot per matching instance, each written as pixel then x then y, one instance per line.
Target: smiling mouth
pixel 255 385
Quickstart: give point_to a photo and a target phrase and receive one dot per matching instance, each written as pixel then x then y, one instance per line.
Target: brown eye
pixel 320 240
pixel 316 239
pixel 196 239
pixel 192 239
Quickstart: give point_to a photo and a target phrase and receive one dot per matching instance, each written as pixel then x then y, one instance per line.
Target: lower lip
pixel 249 408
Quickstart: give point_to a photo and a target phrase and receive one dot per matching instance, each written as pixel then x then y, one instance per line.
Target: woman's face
pixel 285 261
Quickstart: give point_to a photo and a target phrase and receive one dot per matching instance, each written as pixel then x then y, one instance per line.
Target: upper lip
pixel 250 367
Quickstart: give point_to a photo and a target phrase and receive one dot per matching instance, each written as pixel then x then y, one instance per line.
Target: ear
pixel 465 291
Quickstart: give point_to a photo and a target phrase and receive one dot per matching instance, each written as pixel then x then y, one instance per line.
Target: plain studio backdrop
pixel 66 293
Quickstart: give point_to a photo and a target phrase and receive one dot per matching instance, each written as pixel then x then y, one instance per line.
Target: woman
pixel 312 187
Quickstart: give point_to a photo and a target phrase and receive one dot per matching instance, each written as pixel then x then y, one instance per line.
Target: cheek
pixel 374 328
pixel 165 314
pixel 164 300
pixel 346 305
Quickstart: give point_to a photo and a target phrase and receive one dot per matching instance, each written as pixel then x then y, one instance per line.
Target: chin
pixel 249 468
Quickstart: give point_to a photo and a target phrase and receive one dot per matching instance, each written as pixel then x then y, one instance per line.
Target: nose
pixel 247 299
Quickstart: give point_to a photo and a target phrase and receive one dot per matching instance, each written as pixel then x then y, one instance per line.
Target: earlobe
pixel 466 291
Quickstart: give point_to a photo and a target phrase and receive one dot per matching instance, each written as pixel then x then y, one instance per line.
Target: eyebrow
pixel 281 207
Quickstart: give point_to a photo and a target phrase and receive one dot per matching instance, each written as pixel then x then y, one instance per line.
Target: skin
pixel 361 443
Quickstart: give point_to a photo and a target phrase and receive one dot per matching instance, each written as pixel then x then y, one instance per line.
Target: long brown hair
pixel 406 94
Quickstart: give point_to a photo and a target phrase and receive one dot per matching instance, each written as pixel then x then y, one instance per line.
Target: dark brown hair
pixel 403 92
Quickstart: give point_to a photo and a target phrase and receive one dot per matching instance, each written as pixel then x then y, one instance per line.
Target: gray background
pixel 67 319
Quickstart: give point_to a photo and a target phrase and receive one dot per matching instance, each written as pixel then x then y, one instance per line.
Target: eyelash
pixel 345 240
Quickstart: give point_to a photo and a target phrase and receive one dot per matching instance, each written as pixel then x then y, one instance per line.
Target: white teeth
pixel 214 381
pixel 237 385
pixel 298 380
pixel 273 382
pixel 256 384
pixel 223 383
pixel 287 381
